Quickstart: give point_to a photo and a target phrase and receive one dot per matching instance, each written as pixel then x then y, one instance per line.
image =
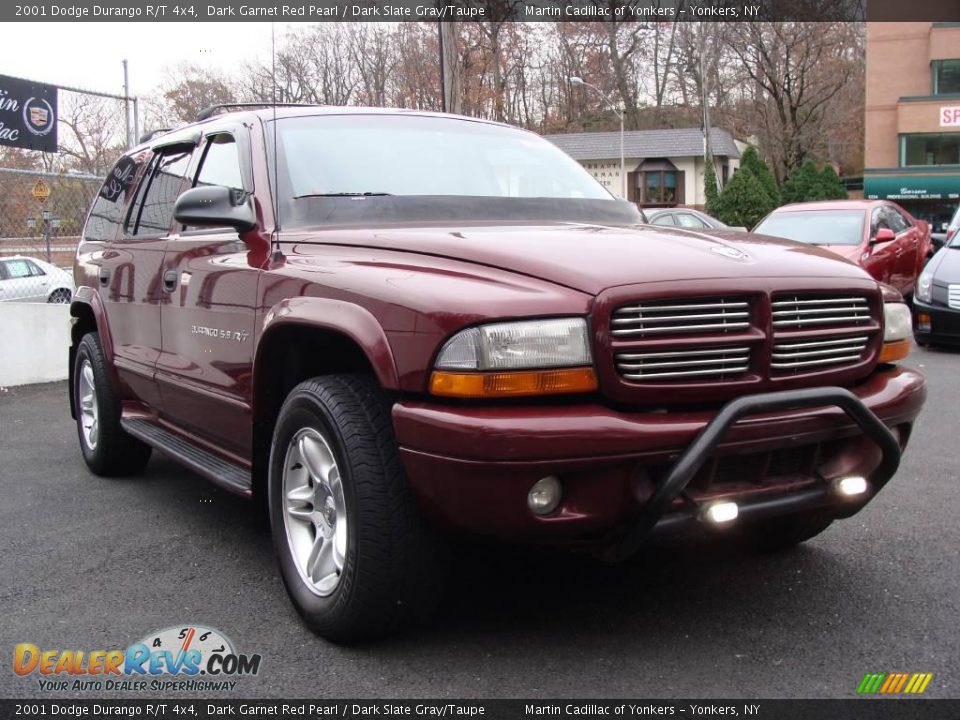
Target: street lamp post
pixel 621 111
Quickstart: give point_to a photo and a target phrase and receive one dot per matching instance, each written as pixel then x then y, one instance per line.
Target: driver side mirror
pixel 215 206
pixel 883 235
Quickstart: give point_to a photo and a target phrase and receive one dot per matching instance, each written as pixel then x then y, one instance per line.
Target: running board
pixel 228 475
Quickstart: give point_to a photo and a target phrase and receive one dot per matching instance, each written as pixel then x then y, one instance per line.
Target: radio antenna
pixel 277 253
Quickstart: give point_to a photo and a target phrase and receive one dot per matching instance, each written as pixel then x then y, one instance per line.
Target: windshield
pixel 330 164
pixel 816 227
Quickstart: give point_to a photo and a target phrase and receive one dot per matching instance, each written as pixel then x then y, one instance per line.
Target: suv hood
pixel 592 258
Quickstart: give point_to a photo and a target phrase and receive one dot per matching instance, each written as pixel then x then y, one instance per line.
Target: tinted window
pixel 221 164
pixel 152 214
pixel 663 219
pixel 107 211
pixel 816 227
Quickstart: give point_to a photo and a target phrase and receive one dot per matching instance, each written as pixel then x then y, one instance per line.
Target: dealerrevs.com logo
pixel 191 658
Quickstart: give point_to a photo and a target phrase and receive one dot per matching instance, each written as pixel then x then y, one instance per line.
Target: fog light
pixel 721 513
pixel 852 485
pixel 545 495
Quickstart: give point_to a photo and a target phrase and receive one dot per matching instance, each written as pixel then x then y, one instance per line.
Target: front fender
pixel 353 321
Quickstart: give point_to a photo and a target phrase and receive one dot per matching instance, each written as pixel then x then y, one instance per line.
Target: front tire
pixel 357 559
pixel 106 448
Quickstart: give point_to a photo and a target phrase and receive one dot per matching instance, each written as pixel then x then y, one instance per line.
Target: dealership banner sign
pixel 28 114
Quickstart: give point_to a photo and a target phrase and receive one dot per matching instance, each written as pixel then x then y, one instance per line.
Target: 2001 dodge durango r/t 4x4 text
pixel 388 326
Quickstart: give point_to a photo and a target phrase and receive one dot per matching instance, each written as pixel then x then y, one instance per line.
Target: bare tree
pixel 796 69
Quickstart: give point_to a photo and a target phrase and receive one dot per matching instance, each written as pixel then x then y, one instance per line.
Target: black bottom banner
pixel 176 709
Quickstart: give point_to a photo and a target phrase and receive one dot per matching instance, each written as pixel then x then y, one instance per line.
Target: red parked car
pixel 880 236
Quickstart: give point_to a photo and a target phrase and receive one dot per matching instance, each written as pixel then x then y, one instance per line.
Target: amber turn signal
pixel 513 384
pixel 893 351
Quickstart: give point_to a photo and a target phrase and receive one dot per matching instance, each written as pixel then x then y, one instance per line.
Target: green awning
pixel 912 187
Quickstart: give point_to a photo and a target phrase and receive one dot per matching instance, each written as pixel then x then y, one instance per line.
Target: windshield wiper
pixel 342 194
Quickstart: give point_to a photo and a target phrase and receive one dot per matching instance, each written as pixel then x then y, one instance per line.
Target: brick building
pixel 912 153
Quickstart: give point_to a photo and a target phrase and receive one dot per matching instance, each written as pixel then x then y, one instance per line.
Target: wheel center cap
pixel 326 508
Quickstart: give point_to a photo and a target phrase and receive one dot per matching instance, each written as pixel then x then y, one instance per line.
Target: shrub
pixel 743 200
pixel 751 159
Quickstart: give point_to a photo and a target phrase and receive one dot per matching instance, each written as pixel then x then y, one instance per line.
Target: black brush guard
pixel 703 446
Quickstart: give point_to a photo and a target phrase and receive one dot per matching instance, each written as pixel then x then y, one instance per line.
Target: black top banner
pixel 487 10
pixel 28 114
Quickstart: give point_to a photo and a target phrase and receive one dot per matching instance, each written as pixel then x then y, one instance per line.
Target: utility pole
pixel 449 68
pixel 126 103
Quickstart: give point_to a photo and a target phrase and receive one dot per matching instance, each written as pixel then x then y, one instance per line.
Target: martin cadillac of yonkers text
pixel 638 709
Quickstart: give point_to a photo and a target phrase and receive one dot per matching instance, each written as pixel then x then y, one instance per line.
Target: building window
pixel 946 77
pixel 659 187
pixel 933 149
pixel 656 182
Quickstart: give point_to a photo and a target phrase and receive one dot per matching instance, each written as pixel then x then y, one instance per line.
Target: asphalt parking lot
pixel 89 563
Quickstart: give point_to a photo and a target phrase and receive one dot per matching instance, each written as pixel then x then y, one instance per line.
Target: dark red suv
pixel 391 326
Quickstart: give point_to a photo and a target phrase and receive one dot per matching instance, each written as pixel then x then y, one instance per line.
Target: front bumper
pixel 941 324
pixel 471 467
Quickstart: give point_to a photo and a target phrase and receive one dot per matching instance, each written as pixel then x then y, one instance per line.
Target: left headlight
pixel 897 331
pixel 530 357
pixel 925 285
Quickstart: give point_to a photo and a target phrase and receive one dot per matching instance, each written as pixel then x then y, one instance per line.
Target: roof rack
pixel 151 134
pixel 208 112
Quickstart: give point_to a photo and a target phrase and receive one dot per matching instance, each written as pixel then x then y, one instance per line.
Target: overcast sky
pixel 90 55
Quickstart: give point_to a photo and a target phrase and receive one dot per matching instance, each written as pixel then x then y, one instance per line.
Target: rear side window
pixel 665 219
pixel 22 268
pixel 691 221
pixel 106 214
pixel 152 212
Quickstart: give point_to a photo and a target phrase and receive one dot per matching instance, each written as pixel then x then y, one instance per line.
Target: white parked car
pixel 27 279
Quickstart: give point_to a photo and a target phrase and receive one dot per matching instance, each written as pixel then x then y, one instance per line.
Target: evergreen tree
pixel 710 190
pixel 743 200
pixel 751 159
pixel 832 187
pixel 803 184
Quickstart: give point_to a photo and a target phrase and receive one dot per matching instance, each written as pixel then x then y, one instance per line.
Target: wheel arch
pixel 304 338
pixel 87 315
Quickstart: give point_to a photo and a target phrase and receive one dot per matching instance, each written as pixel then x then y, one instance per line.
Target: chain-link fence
pixel 41 217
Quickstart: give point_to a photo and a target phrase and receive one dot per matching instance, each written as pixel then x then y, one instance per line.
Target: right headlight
pixel 924 290
pixel 529 357
pixel 897 332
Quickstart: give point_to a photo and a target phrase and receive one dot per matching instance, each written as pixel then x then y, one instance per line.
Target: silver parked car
pixel 685 218
pixel 27 279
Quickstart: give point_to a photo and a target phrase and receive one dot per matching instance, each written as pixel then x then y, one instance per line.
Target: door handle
pixel 170 278
pixel 104 276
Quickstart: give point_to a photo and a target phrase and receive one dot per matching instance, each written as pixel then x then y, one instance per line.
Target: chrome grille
pixel 721 362
pixel 663 317
pixel 798 356
pixel 953 296
pixel 800 311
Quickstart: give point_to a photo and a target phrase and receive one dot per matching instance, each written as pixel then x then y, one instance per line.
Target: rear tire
pixel 783 533
pixel 356 557
pixel 106 448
